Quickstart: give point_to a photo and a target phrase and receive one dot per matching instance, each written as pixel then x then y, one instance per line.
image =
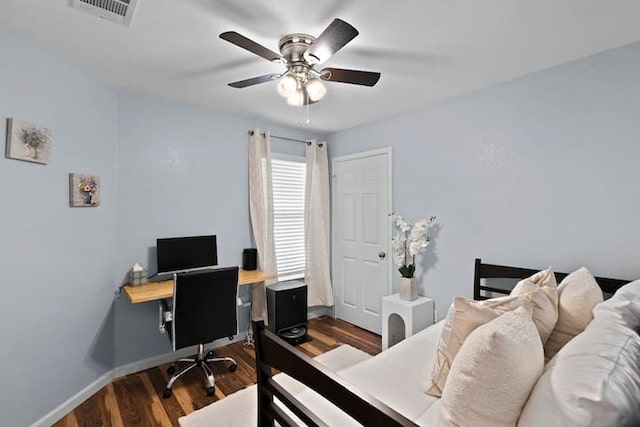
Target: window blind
pixel 288 182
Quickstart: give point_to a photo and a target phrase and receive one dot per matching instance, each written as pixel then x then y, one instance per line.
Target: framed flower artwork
pixel 84 190
pixel 28 141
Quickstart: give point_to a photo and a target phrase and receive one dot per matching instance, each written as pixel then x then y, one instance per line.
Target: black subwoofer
pixel 250 259
pixel 287 310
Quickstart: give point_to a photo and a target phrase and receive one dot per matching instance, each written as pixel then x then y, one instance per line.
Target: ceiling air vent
pixel 118 11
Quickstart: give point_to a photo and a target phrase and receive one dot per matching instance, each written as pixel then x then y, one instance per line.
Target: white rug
pixel 240 408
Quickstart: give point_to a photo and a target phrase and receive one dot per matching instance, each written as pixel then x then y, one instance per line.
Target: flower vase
pixel 408 288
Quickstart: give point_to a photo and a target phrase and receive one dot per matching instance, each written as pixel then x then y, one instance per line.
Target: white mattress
pixel 397 377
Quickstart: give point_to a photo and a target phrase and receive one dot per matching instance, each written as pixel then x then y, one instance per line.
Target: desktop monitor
pixel 177 254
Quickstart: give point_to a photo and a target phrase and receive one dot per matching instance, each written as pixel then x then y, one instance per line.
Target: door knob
pixel 382 255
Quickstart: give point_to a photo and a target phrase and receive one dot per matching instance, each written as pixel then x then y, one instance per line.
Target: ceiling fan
pixel 301 82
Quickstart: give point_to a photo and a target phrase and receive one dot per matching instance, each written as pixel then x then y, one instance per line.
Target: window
pixel 289 180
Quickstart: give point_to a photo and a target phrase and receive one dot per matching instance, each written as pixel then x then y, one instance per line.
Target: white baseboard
pixel 71 403
pixel 154 361
pixel 141 365
pixel 319 310
pixel 120 371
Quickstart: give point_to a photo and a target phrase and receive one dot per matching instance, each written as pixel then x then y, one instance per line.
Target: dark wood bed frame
pixel 274 353
pixel 492 271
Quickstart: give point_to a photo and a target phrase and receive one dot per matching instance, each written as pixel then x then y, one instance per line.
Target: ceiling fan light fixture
pixel 296 99
pixel 287 85
pixel 302 84
pixel 318 56
pixel 315 89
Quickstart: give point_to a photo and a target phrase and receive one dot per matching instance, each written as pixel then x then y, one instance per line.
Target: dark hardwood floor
pixel 136 399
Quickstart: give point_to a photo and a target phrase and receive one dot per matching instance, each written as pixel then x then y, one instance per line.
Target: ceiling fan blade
pixel 254 81
pixel 332 39
pixel 356 77
pixel 248 44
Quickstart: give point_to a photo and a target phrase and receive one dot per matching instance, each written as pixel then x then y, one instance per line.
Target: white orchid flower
pixel 401 223
pixel 411 240
pixel 398 246
pixel 418 231
pixel 418 246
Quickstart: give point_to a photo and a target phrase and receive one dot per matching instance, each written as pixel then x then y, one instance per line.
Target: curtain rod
pixel 285 138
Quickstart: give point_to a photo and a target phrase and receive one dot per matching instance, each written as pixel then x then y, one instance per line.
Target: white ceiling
pixel 425 50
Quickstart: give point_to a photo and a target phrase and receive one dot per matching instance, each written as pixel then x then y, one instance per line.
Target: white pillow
pixel 493 373
pixel 463 317
pixel 593 381
pixel 543 290
pixel 578 293
pixel 623 306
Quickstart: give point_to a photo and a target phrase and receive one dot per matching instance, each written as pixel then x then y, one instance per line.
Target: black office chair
pixel 204 310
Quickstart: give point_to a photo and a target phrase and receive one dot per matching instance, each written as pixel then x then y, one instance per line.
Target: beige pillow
pixel 463 317
pixel 543 290
pixel 493 373
pixel 578 293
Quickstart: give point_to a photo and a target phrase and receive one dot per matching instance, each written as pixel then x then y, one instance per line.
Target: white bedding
pixel 397 377
pixel 593 378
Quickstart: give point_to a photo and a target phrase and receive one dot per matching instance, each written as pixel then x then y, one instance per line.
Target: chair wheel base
pixel 201 362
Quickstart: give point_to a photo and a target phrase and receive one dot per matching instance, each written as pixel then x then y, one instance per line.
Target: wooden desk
pixel 152 291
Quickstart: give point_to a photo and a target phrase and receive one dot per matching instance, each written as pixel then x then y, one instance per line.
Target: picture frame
pixel 84 190
pixel 28 141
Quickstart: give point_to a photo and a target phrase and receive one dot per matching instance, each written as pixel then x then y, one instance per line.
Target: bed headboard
pixel 481 290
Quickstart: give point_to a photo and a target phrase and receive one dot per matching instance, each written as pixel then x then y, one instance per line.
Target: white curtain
pixel 261 208
pixel 317 220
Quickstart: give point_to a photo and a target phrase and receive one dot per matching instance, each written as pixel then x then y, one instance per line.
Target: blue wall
pixel 57 262
pixel 165 170
pixel 182 171
pixel 538 171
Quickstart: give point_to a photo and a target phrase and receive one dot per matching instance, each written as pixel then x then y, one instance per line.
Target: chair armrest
pixel 165 314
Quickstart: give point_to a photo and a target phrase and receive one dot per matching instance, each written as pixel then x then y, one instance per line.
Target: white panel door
pixel 361 205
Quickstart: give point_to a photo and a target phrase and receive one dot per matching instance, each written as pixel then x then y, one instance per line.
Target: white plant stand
pixel 401 319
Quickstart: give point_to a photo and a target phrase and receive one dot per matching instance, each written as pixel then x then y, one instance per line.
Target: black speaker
pixel 250 259
pixel 287 310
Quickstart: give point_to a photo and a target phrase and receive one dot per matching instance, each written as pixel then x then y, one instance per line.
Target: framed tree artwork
pixel 27 141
